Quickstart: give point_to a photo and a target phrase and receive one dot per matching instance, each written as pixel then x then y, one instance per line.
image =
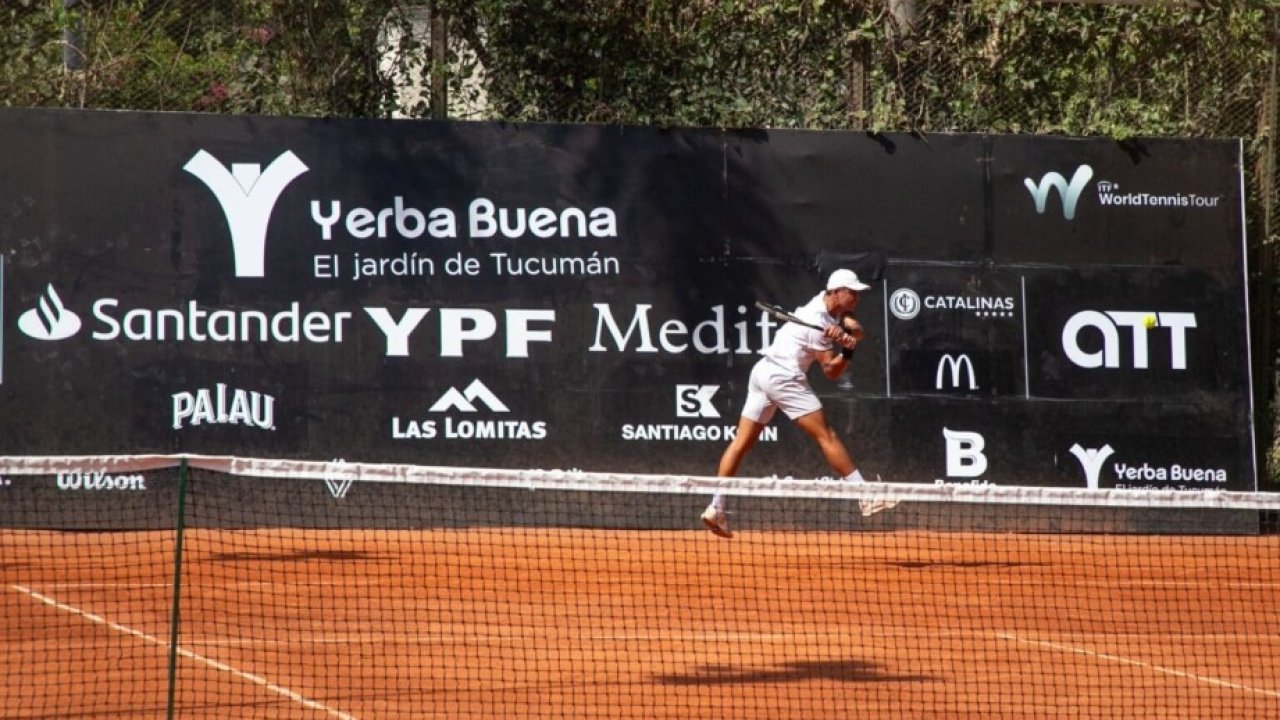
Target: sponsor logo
pixel 906 304
pixel 1109 325
pixel 691 401
pixel 193 322
pixel 1144 476
pixel 477 397
pixel 100 480
pixel 951 366
pixel 247 194
pixel 335 479
pixel 694 401
pixel 50 319
pixel 1069 192
pixel 465 401
pixel 1091 461
pixel 965 457
pixel 222 405
pixel 744 335
pixel 484 219
pixel 1109 194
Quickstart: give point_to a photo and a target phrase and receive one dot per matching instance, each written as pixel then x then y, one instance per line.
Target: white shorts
pixel 772 387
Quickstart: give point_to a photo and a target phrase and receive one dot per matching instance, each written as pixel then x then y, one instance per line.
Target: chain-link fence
pixel 1118 68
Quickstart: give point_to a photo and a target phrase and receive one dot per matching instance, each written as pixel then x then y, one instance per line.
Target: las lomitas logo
pixel 471 400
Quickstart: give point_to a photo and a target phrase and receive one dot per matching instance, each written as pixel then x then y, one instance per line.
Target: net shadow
pixel 860 671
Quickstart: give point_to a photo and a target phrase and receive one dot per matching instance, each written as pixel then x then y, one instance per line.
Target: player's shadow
pixel 292 556
pixel 839 670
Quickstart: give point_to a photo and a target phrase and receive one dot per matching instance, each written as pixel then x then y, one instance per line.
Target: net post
pixel 177 588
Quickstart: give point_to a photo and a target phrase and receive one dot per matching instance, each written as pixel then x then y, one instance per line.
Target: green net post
pixel 177 588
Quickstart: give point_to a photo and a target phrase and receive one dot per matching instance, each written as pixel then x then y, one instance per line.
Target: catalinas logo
pixel 907 304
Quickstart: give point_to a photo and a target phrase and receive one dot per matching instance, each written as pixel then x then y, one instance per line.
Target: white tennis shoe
pixel 716 521
pixel 871 507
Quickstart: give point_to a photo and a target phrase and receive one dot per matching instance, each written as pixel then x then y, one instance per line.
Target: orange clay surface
pixel 506 623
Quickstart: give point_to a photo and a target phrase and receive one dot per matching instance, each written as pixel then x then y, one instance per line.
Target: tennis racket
pixel 778 313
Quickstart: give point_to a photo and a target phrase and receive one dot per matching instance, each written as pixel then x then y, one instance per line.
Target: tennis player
pixel 780 380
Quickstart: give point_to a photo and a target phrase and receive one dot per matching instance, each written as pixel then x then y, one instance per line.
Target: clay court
pixel 486 623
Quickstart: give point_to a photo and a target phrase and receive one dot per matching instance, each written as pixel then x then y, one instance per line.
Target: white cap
pixel 846 279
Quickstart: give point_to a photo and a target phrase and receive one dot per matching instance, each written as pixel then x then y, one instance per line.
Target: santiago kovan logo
pixel 1069 191
pixel 247 194
pixel 50 319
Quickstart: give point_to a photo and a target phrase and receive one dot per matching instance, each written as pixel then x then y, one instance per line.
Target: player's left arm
pixel 844 338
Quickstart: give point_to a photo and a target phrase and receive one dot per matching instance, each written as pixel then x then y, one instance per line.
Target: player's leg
pixel 833 449
pixel 715 516
pixel 815 425
pixel 756 413
pixel 744 439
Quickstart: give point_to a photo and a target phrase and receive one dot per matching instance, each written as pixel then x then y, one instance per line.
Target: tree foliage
pixel 980 65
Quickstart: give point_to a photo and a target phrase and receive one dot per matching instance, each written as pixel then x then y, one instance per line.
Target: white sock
pixel 717 502
pixel 855 477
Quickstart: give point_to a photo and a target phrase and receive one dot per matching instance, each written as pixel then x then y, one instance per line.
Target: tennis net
pixel 201 587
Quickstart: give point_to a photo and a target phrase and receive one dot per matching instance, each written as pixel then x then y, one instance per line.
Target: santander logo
pixel 50 319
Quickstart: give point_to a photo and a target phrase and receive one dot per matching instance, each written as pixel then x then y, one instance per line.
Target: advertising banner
pixel 1043 311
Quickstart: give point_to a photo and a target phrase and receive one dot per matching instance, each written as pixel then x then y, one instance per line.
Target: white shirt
pixel 795 347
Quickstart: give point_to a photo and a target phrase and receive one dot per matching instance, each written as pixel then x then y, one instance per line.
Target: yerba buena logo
pixel 1091 462
pixel 247 194
pixel 50 319
pixel 1068 191
pixel 1147 475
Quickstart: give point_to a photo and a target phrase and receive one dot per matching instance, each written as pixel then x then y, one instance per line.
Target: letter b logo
pixel 964 453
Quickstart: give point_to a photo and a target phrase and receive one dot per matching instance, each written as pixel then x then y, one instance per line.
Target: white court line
pixel 1208 680
pixel 308 585
pixel 658 635
pixel 216 665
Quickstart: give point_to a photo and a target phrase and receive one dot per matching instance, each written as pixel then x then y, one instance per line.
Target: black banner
pixel 1044 311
